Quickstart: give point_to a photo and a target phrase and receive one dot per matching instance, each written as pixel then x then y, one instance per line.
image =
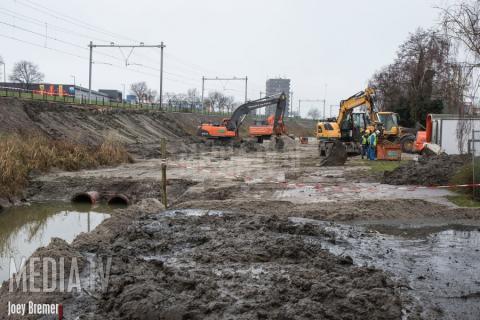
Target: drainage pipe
pixel 118 199
pixel 90 197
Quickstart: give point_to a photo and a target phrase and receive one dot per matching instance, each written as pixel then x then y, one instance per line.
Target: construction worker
pixel 365 143
pixel 372 145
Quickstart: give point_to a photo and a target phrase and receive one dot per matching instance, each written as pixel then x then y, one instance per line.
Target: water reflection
pixel 440 262
pixel 24 229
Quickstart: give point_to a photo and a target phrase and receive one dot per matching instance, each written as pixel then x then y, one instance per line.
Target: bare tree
pixel 313 113
pixel 461 23
pixel 140 90
pixel 220 102
pixel 424 78
pixel 193 97
pixel 26 72
pixel 150 95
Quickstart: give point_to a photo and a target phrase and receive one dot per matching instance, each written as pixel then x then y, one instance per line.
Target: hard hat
pixel 377 132
pixel 367 131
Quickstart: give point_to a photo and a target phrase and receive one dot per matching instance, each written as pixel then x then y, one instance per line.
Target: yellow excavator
pixel 349 125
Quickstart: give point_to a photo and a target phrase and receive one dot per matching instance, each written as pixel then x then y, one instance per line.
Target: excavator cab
pixel 353 126
pixel 389 122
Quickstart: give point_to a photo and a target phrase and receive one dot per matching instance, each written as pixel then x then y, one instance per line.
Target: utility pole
pixel 161 46
pixel 332 105
pixel 90 72
pixel 324 101
pixel 246 84
pixel 203 89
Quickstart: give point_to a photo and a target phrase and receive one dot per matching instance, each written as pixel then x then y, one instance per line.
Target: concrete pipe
pixel 90 197
pixel 118 200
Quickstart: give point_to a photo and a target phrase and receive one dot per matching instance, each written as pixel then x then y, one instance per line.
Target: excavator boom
pixel 365 98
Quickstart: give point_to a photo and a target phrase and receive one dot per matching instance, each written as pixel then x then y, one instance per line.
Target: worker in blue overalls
pixel 372 145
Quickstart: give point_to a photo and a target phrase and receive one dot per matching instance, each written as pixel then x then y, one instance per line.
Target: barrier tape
pixel 450 186
pixel 339 188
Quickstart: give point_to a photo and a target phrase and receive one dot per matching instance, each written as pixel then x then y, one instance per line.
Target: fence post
pixel 164 171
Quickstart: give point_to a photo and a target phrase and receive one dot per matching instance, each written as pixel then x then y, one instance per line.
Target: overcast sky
pixel 313 42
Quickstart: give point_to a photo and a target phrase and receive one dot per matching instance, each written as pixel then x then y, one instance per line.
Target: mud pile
pixel 336 155
pixel 203 264
pixel 427 171
pixel 183 266
pixel 281 143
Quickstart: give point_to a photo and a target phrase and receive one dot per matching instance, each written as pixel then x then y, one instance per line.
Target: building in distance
pixel 277 86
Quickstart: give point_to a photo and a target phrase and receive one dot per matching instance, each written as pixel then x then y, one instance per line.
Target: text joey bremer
pixel 46 275
pixel 31 308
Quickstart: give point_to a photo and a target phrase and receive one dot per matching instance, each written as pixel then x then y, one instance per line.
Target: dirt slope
pixel 140 130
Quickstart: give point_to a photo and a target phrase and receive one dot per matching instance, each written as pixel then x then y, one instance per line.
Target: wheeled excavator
pixel 349 125
pixel 229 127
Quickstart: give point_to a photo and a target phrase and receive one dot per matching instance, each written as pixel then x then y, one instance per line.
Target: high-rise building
pixel 277 86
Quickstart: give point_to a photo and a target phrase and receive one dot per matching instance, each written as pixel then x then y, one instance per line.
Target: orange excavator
pixel 229 127
pixel 265 129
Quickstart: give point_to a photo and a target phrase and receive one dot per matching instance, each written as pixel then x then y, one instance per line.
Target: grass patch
pixel 381 166
pixel 464 200
pixel 20 155
pixel 465 176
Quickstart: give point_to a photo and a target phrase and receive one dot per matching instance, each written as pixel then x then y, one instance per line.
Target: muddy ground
pixel 264 235
pixel 139 130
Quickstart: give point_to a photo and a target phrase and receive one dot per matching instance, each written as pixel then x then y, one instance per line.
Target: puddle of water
pixel 25 229
pixel 440 262
pixel 192 212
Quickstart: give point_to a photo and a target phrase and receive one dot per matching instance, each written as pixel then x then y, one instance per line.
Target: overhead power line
pixel 182 72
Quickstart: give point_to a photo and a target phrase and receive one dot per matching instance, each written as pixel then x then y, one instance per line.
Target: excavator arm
pixel 362 98
pixel 239 114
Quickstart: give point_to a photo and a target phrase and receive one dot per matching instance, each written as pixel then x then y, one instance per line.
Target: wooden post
pixel 164 171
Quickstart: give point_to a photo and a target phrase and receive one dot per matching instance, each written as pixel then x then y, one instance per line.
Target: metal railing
pixel 168 106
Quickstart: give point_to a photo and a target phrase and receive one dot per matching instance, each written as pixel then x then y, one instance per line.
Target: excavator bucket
pixel 336 154
pixel 279 143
